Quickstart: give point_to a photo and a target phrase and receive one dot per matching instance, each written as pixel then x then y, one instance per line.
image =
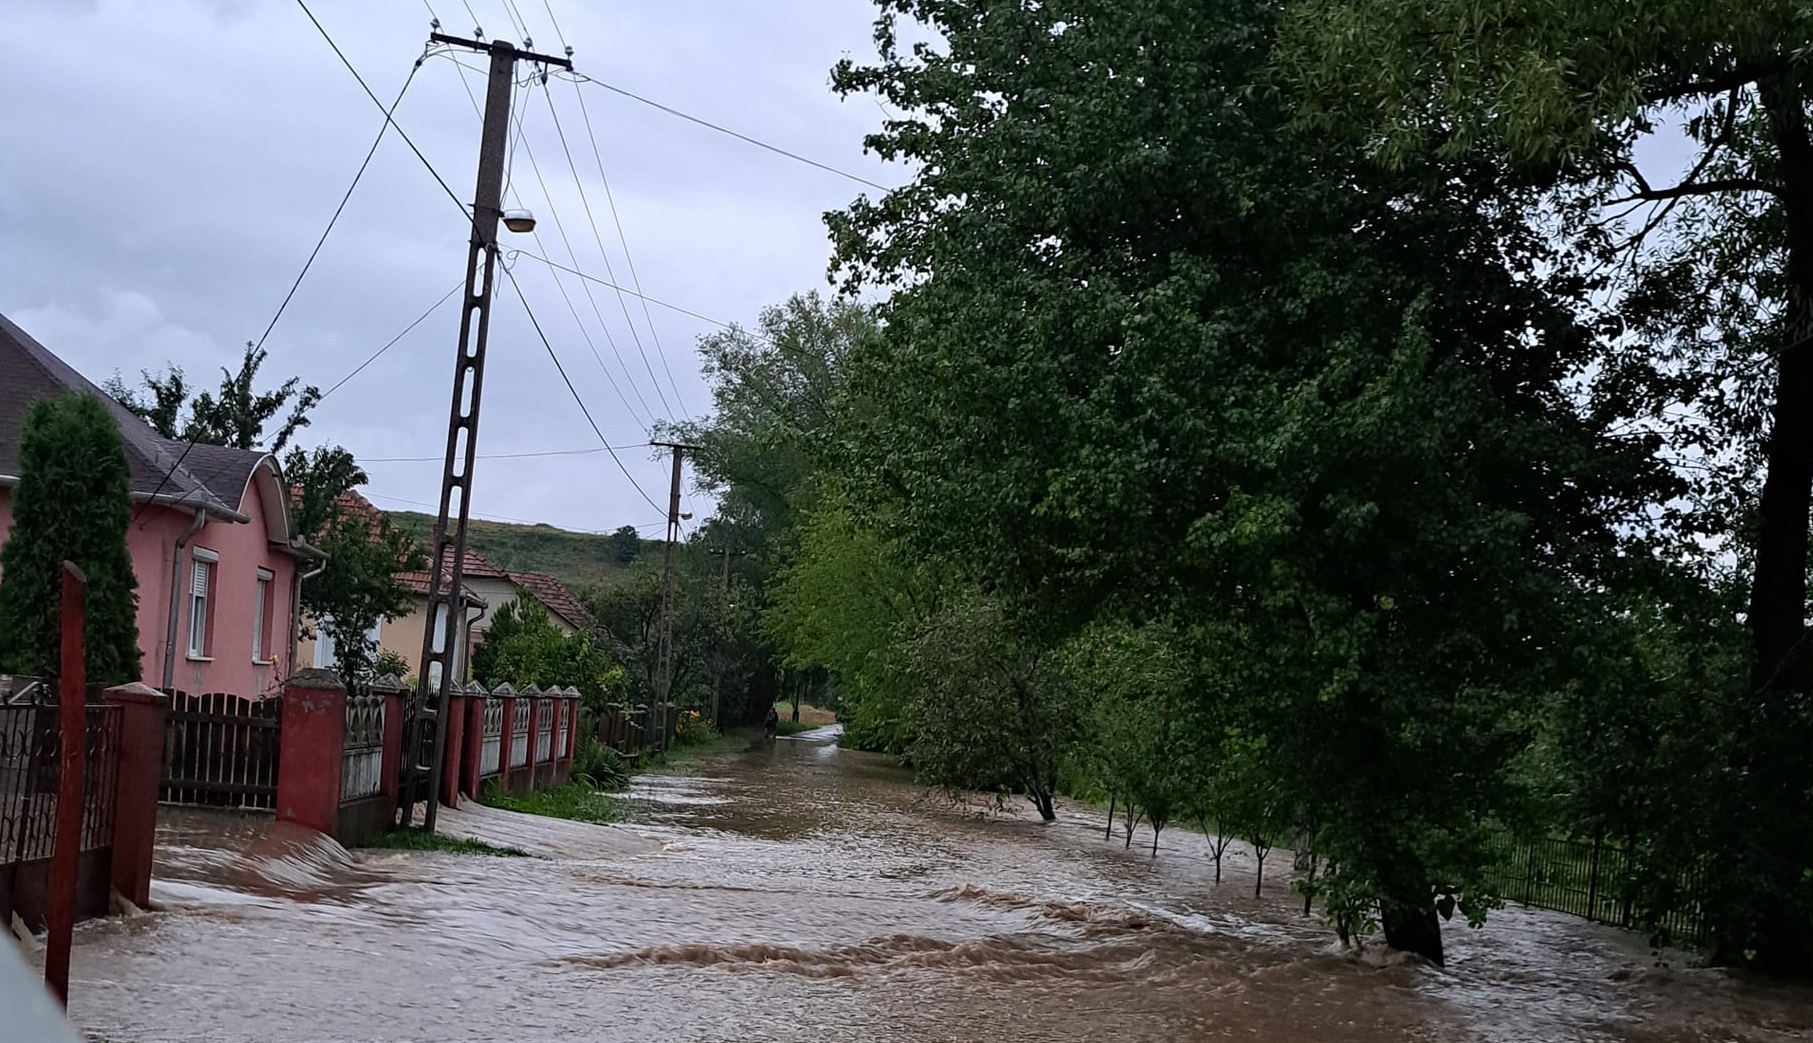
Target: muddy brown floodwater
pixel 803 892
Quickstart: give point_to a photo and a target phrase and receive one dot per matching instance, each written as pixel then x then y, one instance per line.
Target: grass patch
pixel 788 726
pixel 680 759
pixel 809 717
pixel 574 800
pixel 417 840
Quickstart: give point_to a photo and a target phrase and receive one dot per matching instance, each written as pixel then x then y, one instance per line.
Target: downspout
pixel 176 601
pixel 469 599
pixel 296 606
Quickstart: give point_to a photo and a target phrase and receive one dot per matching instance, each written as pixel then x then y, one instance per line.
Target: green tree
pixel 72 503
pixel 523 646
pixel 1152 355
pixel 235 414
pixel 1724 297
pixel 357 586
pixel 625 545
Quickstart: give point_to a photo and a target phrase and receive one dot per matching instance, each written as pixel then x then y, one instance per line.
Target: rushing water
pixel 803 892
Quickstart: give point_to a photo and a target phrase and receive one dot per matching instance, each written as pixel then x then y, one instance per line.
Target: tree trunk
pixel 1407 912
pixel 1259 875
pixel 1108 834
pixel 1765 821
pixel 1042 800
pixel 1409 929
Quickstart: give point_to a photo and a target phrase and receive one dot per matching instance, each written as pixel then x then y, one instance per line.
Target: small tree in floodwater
pixel 993 712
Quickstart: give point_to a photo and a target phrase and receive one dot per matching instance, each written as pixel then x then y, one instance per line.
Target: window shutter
pixel 198 579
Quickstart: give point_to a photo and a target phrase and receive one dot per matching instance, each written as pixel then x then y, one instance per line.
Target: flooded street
pixel 804 892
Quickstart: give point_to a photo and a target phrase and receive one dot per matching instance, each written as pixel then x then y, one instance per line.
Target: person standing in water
pixel 771 723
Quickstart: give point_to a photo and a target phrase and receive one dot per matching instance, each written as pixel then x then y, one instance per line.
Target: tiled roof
pixel 559 599
pixel 208 476
pixel 476 567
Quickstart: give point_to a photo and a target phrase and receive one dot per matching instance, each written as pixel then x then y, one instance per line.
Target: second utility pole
pixel 664 644
pixel 424 750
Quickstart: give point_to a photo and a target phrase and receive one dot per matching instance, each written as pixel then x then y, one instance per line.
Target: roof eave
pixel 191 501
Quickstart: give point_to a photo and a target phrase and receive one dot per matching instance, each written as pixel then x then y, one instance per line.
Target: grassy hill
pixel 580 560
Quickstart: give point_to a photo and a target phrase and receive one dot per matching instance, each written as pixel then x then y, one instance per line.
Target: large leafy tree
pixel 524 647
pixel 1723 252
pixel 235 414
pixel 1152 356
pixel 73 503
pixel 357 586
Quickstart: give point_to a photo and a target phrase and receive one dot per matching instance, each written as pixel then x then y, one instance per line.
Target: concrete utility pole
pixel 664 643
pixel 426 725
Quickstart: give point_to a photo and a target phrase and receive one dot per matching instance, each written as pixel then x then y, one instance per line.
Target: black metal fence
pixel 29 771
pixel 1596 879
pixel 220 750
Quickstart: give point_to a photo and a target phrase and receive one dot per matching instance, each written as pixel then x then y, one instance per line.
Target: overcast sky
pixel 168 166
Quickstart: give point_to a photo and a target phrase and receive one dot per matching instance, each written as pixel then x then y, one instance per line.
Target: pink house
pixel 211 540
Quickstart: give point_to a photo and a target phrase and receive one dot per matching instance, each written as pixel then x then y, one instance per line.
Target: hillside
pixel 580 560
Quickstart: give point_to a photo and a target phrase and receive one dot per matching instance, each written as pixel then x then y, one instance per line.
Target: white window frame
pixel 261 598
pixel 324 645
pixel 204 567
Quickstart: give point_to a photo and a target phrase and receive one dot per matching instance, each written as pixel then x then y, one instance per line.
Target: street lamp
pixel 519 220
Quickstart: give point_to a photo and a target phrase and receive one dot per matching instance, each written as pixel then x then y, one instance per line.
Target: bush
pixel 599 765
pixel 691 729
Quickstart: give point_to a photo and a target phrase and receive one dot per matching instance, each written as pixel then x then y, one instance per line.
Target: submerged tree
pixel 72 503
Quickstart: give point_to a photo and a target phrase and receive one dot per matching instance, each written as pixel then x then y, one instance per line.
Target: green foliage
pixel 598 765
pixel 691 728
pixel 358 585
pixel 625 545
pixel 580 560
pixel 420 840
pixel 389 662
pixel 235 414
pixel 575 800
pixel 525 647
pixel 72 503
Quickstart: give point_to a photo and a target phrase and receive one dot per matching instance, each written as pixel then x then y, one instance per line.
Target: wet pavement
pixel 798 891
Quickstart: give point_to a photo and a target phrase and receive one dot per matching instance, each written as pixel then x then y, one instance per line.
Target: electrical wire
pixel 374 356
pixel 321 241
pixel 575 391
pixel 589 451
pixel 622 239
pixel 758 143
pixel 587 203
pixel 496 517
pixel 606 282
pixel 641 421
pixel 388 121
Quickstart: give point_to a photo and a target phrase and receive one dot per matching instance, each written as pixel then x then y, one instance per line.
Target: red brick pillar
pixel 475 739
pixel 395 705
pixel 313 737
pixel 451 764
pixel 533 694
pixel 140 772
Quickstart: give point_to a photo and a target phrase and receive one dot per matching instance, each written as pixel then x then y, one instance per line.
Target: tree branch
pixel 1716 186
pixel 1743 74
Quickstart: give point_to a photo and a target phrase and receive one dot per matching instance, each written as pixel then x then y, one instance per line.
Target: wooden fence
pixel 221 750
pixel 362 754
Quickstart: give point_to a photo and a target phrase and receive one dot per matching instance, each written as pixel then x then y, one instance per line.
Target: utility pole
pixel 426 724
pixel 664 644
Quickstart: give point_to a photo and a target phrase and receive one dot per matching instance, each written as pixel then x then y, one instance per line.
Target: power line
pixel 562 37
pixel 498 517
pixel 373 357
pixel 622 239
pixel 588 451
pixel 614 286
pixel 358 175
pixel 587 203
pixel 776 149
pixel 388 121
pixel 574 391
pixel 561 286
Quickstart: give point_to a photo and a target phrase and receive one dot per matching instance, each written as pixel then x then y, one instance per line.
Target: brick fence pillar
pixel 313 735
pixel 396 704
pixel 474 757
pixel 451 759
pixel 142 714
